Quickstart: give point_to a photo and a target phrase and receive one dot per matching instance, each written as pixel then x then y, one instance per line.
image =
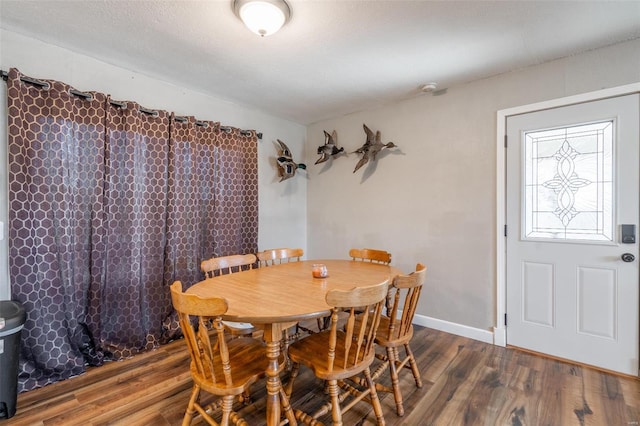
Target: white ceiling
pixel 334 57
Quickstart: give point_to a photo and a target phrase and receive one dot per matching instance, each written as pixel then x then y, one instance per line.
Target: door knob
pixel 628 257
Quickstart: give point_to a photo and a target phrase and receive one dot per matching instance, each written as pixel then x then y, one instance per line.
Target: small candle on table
pixel 319 270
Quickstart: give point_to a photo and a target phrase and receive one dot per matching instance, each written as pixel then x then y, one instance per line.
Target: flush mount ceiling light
pixel 263 17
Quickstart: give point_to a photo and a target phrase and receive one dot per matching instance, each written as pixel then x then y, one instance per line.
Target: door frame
pixel 500 330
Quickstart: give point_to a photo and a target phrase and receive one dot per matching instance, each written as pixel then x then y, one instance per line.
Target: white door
pixel 572 183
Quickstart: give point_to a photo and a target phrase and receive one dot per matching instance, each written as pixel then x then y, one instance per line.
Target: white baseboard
pixel 453 328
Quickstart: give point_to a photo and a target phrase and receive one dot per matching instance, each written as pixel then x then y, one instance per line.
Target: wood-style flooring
pixel 466 382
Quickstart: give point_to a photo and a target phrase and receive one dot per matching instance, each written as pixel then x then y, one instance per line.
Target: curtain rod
pixel 5 75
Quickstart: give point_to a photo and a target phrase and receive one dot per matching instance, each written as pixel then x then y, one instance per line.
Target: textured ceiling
pixel 333 57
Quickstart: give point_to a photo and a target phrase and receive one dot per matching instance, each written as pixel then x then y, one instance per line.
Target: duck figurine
pixel 371 147
pixel 286 164
pixel 330 148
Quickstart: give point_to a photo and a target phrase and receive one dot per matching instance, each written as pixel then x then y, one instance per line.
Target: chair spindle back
pixel 227 264
pixel 356 341
pixel 371 255
pixel 207 312
pixel 404 294
pixel 279 255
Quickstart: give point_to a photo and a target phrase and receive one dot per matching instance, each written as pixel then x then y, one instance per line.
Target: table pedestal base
pixel 276 398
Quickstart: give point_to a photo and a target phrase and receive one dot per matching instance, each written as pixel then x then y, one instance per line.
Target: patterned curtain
pixel 236 194
pixel 191 183
pixel 131 303
pixel 109 203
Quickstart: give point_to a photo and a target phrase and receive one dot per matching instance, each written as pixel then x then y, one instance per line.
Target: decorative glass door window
pixel 568 183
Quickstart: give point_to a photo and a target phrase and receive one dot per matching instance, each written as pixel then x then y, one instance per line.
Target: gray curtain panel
pixel 109 204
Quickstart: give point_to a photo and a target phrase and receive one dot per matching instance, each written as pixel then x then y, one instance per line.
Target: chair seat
pixel 239 325
pixel 243 328
pixel 247 364
pixel 312 352
pixel 396 339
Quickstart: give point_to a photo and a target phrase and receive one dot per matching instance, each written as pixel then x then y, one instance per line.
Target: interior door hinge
pixel 505 320
pixel 505 230
pixel 505 141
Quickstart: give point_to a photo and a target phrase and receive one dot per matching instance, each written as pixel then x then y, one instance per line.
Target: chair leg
pixel 286 407
pixel 395 383
pixel 288 389
pixel 414 366
pixel 188 415
pixel 375 402
pixel 336 413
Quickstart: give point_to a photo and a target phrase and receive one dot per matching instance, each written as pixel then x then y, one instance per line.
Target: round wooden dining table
pixel 276 296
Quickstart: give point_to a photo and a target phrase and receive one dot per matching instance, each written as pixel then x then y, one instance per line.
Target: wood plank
pixel 466 382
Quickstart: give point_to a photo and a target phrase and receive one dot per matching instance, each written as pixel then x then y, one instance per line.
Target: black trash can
pixel 12 318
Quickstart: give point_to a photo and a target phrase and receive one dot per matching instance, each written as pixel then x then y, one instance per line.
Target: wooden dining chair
pixel 222 367
pixel 278 256
pixel 396 330
pixel 371 255
pixel 228 265
pixel 340 352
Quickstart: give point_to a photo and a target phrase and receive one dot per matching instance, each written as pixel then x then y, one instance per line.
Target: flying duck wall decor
pixel 286 166
pixel 330 148
pixel 371 147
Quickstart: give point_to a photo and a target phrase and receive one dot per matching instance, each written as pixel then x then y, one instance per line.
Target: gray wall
pixel 433 200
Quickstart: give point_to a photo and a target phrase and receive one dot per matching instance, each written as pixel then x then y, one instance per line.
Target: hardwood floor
pixel 466 382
